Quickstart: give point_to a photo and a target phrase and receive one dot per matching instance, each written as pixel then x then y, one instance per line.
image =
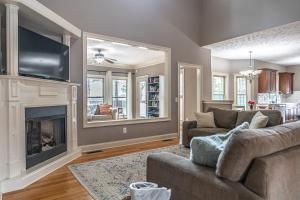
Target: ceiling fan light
pixel 99 59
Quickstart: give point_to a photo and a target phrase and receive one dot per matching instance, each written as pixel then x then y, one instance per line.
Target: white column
pixel 129 95
pixel 108 88
pixel 67 41
pixel 74 118
pixel 15 131
pixel 12 39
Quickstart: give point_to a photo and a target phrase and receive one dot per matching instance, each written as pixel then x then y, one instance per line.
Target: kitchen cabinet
pixel 267 81
pixel 286 82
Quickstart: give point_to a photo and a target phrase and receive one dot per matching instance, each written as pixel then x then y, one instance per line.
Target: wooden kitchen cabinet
pixel 267 81
pixel 286 82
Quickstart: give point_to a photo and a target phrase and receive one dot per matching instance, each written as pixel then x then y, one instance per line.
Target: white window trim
pixel 128 93
pixel 167 86
pixel 226 97
pixel 104 83
pixel 137 80
pixel 248 92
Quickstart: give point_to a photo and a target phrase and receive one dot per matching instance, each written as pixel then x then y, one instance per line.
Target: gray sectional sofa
pixel 257 164
pixel 225 120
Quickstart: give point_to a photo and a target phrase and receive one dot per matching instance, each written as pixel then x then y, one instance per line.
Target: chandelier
pixel 251 73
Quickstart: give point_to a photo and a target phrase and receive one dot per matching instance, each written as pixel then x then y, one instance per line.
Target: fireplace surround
pixel 18 93
pixel 42 106
pixel 45 129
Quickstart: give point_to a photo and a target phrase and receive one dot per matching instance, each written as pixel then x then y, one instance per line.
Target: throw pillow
pixel 103 109
pixel 205 120
pixel 259 121
pixel 206 150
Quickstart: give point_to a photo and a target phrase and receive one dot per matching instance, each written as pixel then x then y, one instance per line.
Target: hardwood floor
pixel 61 184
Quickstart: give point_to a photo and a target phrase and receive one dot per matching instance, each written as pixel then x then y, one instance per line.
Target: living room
pixel 91 103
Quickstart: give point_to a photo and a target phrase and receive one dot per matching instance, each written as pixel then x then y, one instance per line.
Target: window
pixel 241 91
pixel 113 82
pixel 218 87
pixel 95 88
pixel 119 97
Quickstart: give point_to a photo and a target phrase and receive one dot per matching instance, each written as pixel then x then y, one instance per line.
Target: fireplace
pixel 46 129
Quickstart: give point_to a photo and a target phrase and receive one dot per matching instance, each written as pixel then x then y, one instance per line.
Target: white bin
pixel 148 191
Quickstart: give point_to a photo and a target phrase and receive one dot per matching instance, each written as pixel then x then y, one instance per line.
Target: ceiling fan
pixel 100 57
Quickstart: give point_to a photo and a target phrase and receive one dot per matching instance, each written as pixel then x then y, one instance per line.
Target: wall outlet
pixel 124 130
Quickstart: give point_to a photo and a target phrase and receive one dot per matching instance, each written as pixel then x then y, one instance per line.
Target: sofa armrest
pixel 190 181
pixel 185 130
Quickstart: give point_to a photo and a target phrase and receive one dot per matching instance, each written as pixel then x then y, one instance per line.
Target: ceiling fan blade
pixel 109 61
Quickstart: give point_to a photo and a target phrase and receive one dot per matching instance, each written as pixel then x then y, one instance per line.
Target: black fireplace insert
pixel 46 129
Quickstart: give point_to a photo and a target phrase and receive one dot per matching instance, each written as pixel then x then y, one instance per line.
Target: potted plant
pixel 251 104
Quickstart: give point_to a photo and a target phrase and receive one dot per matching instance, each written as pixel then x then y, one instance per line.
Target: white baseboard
pixel 106 145
pixel 23 181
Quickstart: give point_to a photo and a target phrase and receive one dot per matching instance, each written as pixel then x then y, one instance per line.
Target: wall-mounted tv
pixel 42 57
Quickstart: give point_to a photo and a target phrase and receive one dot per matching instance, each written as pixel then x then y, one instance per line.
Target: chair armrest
pixel 185 130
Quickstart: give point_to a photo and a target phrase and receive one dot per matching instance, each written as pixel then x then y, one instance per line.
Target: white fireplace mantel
pixel 16 94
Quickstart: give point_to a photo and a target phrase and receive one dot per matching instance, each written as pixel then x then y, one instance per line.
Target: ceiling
pixel 279 45
pixel 127 56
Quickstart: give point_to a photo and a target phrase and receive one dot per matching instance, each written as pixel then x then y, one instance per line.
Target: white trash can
pixel 148 191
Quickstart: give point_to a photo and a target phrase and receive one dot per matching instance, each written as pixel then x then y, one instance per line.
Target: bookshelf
pixel 155 90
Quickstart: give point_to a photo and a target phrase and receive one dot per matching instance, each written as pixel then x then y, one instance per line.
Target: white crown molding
pixel 106 145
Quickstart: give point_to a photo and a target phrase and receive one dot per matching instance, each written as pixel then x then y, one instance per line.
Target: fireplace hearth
pixel 46 130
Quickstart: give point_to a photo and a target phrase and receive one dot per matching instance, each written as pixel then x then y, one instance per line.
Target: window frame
pixel 226 84
pixel 167 84
pixel 112 96
pixel 94 76
pixel 248 90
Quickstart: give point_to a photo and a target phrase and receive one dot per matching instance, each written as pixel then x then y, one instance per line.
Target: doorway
pixel 189 92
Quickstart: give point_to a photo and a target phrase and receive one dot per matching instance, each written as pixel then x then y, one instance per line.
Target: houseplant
pixel 251 104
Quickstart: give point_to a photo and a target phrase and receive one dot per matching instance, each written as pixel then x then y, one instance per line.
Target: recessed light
pixel 122 44
pixel 145 48
pixel 95 39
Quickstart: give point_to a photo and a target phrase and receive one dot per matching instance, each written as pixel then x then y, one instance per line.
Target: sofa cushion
pixel 259 121
pixel 206 150
pixel 206 131
pixel 205 120
pixel 246 116
pixel 242 149
pixel 224 118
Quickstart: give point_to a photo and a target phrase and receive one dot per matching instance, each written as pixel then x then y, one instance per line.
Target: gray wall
pixel 171 23
pixel 225 19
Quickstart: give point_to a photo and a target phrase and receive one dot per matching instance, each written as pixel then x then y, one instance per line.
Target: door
pixel 189 93
pixel 141 92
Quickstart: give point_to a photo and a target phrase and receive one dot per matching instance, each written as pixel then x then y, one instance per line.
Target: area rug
pixel 109 179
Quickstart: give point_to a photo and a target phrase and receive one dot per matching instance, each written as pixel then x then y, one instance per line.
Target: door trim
pixel 183 65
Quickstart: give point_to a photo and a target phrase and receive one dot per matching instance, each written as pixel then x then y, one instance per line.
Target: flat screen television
pixel 42 57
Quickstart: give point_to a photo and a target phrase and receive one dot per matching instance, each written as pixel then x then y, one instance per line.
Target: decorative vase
pixel 251 107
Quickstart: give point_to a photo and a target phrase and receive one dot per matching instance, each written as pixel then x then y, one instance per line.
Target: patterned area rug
pixel 109 179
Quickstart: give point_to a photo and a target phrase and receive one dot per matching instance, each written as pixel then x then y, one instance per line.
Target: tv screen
pixel 42 57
